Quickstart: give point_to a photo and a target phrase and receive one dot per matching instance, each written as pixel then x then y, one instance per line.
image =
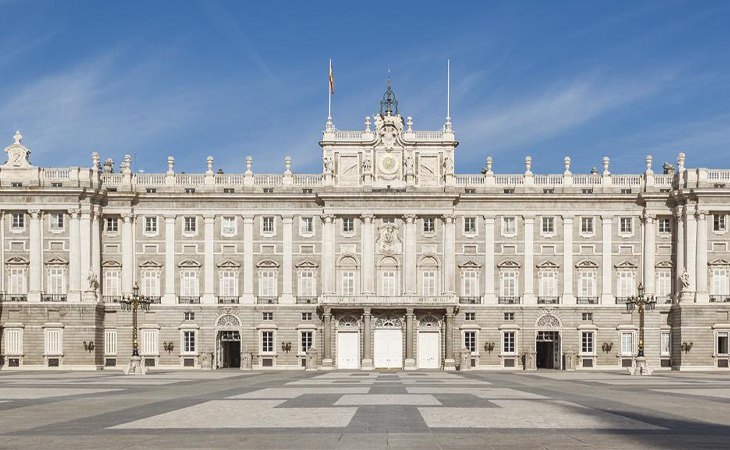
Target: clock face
pixel 388 164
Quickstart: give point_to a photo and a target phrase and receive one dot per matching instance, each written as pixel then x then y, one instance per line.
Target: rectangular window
pixel 470 283
pixel 587 283
pixel 112 224
pixel 626 285
pixel 548 283
pixel 348 225
pixel 228 226
pixel 57 221
pixel 509 226
pixel 509 316
pixel 470 225
pixel 149 342
pixel 627 343
pixel 267 342
pixel 307 287
pixel 306 316
pixel 267 283
pixel 188 315
pixel 306 341
pixel 665 225
pixel 13 338
pixel 508 342
pixel 663 284
pixel 389 283
pixel 587 316
pixel 267 315
pixel 625 225
pixel 429 225
pixel 665 344
pixel 306 225
pixel 151 282
pixel 470 316
pixel 54 342
pixel 228 284
pixel 722 342
pixel 267 225
pixel 586 225
pixel 429 282
pixel 150 225
pixel 720 281
pixel 548 225
pixel 348 283
pixel 111 282
pixel 586 343
pixel 508 284
pixel 16 281
pixel 17 221
pixel 188 341
pixel 189 283
pixel 56 280
pixel 470 341
pixel 190 225
pixel 718 222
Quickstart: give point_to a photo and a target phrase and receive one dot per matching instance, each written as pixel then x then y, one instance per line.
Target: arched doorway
pixel 228 342
pixel 429 343
pixel 348 343
pixel 388 342
pixel 547 343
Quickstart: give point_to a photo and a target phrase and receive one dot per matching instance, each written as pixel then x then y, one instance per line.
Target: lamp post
pixel 133 303
pixel 641 302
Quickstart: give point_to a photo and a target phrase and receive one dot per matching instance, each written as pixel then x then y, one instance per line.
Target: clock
pixel 388 164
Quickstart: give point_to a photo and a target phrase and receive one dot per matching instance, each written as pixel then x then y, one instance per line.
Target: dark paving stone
pixel 463 401
pixel 390 418
pixel 387 389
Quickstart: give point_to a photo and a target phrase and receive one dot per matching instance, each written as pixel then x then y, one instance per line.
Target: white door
pixel 428 350
pixel 388 348
pixel 348 350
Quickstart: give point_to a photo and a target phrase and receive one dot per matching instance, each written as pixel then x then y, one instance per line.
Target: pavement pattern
pixel 419 409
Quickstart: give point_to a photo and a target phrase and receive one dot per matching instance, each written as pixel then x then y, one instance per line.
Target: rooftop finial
pixel 18 138
pixel 389 105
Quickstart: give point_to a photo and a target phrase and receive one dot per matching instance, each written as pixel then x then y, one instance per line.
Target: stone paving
pixel 234 409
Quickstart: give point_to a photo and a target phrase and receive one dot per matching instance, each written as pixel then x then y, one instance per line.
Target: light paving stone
pixel 714 393
pixel 486 393
pixel 387 399
pixel 20 393
pixel 296 392
pixel 245 414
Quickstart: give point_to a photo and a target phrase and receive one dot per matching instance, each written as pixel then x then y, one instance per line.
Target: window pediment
pixel 150 265
pixel 720 262
pixel 667 264
pixel 228 264
pixel 189 263
pixel 111 263
pixel 267 264
pixel 547 265
pixel 626 265
pixel 509 264
pixel 428 261
pixel 586 265
pixel 56 261
pixel 307 265
pixel 470 265
pixel 16 260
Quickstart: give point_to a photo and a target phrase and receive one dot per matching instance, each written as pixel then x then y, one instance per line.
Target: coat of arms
pixel 388 241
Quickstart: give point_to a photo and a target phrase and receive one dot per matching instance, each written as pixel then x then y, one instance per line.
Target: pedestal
pixel 135 367
pixel 311 361
pixel 449 364
pixel 90 297
pixel 327 364
pixel 531 359
pixel 367 364
pixel 246 360
pixel 569 360
pixel 465 360
pixel 641 367
pixel 410 364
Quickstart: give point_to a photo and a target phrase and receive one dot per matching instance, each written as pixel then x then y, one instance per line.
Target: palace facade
pixel 386 259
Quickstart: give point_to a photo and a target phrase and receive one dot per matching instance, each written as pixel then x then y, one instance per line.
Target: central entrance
pixel 229 349
pixel 388 343
pixel 547 345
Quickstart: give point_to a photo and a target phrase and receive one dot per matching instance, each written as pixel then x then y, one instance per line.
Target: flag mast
pixel 330 91
pixel 447 125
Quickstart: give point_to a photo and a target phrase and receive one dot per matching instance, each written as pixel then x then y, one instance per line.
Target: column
pixel 489 292
pixel 35 267
pixel 529 297
pixel 449 363
pixel 568 297
pixel 209 261
pixel 606 261
pixel 367 272
pixel 690 232
pixel 367 358
pixel 449 255
pixel 96 243
pixel 287 293
pixel 410 363
pixel 85 247
pixel 649 254
pixel 701 271
pixel 327 338
pixel 679 263
pixel 2 252
pixel 74 257
pixel 328 254
pixel 169 298
pixel 248 296
pixel 127 254
pixel 409 263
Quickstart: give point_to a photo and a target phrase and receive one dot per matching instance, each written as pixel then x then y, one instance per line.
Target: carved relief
pixel 388 242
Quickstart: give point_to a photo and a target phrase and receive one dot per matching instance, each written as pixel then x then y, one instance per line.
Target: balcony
pixel 154 299
pixel 14 297
pixel 228 300
pixel 719 298
pixel 548 300
pixel 668 300
pixel 112 298
pixel 622 300
pixel 388 300
pixel 53 297
pixel 267 300
pixel 586 300
pixel 306 300
pixel 188 300
pixel 509 300
pixel 470 300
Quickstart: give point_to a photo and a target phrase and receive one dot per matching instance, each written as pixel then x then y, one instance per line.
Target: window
pixel 429 225
pixel 665 225
pixel 267 225
pixel 470 341
pixel 587 283
pixel 548 225
pixel 13 338
pixel 470 225
pixel 151 282
pixel 228 226
pixel 548 283
pixel 149 342
pixel 229 190
pixel 188 342
pixel 228 283
pixel 470 283
pixel 508 342
pixel 348 283
pixel 110 342
pixel 627 343
pixel 586 225
pixel 190 225
pixel 470 316
pixel 267 283
pixel 388 280
pixel 190 190
pixel 508 316
pixel 267 316
pixel 306 225
pixel 306 340
pixel 586 342
pixel 428 280
pixel 509 226
pixel 587 316
pixel 268 190
pixel 267 342
pixel 112 224
pixel 720 285
pixel 722 342
pixel 306 316
pixel 508 284
pixel 663 284
pixel 56 280
pixel 388 220
pixel 188 315
pixel 307 287
pixel 56 221
pixel 625 225
pixel 665 344
pixel 17 221
pixel 189 283
pixel 348 225
pixel 626 285
pixel 718 222
pixel 111 282
pixel 151 190
pixel 53 342
pixel 16 281
pixel 150 225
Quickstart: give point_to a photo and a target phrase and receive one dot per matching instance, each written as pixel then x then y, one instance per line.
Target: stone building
pixel 387 259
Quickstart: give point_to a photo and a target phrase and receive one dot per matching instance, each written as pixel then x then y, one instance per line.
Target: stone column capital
pixel 366 312
pixel 606 218
pixel 287 219
pixel 367 218
pixel 528 218
pixel 568 218
pixel 409 218
pixel 34 213
pixel 74 212
pixel 127 217
pixel 448 218
pixel 248 219
pixel 489 219
pixel 328 218
pixel 209 218
pixel 409 312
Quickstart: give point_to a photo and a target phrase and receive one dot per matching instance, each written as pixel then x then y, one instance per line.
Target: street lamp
pixel 641 302
pixel 133 303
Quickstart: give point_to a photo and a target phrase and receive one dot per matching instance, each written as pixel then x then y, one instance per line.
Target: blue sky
pixel 230 79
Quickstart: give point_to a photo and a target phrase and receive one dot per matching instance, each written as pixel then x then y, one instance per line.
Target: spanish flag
pixel 332 80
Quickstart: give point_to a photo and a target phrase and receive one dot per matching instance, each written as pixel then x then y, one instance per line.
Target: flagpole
pixel 329 95
pixel 448 89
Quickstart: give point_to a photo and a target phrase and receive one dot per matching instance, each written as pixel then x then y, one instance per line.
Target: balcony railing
pixel 14 297
pixel 112 298
pixel 509 300
pixel 306 300
pixel 586 300
pixel 666 300
pixel 267 300
pixel 388 300
pixel 154 299
pixel 227 300
pixel 188 300
pixel 53 297
pixel 470 300
pixel 622 300
pixel 548 300
pixel 719 298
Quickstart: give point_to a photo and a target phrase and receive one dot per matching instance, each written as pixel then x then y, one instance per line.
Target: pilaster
pixel 649 254
pixel 74 257
pixel 127 254
pixel 209 261
pixel 367 357
pixel 449 255
pixel 489 291
pixel 287 296
pixel 607 261
pixel 529 296
pixel 368 257
pixel 679 264
pixel 410 362
pixel 410 277
pixel 248 296
pixel 35 266
pixel 690 239
pixel 169 298
pixel 328 254
pixel 702 295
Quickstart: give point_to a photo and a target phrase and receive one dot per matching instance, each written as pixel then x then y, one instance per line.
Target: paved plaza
pixel 287 409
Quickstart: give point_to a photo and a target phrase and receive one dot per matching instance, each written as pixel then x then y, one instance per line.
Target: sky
pixel 234 78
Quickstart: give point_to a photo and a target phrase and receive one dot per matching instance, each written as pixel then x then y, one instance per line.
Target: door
pixel 348 350
pixel 429 346
pixel 388 348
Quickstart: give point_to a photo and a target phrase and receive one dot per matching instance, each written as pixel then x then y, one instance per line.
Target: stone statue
pixel 448 165
pixel 204 360
pixel 684 279
pixel 93 281
pixel 367 164
pixel 328 166
pixel 409 165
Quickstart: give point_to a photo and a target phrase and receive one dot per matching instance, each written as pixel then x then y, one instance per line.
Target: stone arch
pixel 388 321
pixel 228 321
pixel 388 262
pixel 348 321
pixel 348 262
pixel 428 261
pixel 429 322
pixel 548 321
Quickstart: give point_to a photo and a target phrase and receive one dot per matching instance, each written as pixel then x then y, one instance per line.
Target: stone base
pixel 410 364
pixel 367 364
pixel 327 364
pixel 135 367
pixel 687 297
pixel 641 367
pixel 91 297
pixel 449 364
